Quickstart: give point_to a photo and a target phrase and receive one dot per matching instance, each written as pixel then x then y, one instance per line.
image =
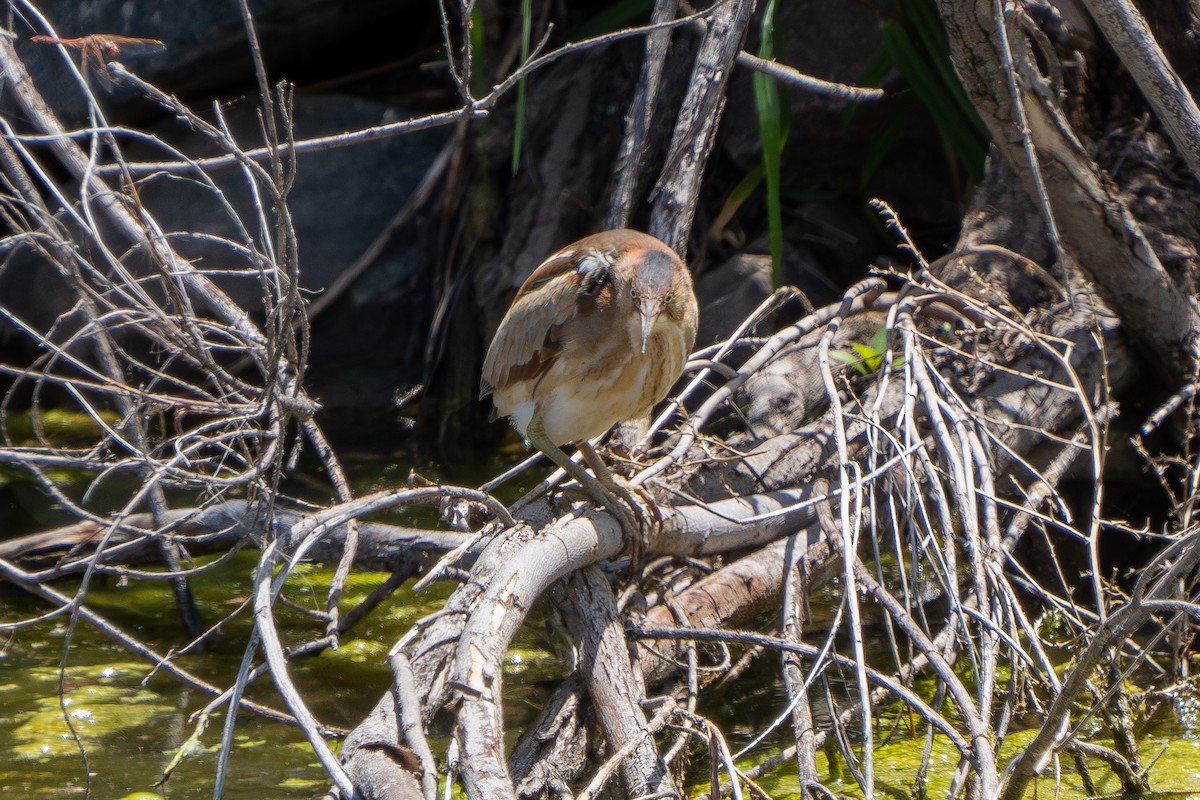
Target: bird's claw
pixel 639 516
pixel 634 509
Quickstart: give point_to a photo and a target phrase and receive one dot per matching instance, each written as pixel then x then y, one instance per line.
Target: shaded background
pixel 433 289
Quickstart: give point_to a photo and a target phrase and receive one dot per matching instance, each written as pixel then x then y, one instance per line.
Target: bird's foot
pixel 632 513
pixel 646 519
pixel 640 518
pixel 633 506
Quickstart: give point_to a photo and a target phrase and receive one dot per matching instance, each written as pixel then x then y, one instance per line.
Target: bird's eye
pixel 667 300
pixel 633 293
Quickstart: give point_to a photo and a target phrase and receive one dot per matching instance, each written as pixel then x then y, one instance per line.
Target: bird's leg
pixel 604 495
pixel 618 486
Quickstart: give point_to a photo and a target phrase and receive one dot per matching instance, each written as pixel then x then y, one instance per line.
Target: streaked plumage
pixel 596 335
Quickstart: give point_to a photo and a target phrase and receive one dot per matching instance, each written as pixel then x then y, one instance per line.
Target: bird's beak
pixel 649 309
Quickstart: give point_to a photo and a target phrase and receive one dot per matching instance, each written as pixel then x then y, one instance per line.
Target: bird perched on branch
pixel 597 335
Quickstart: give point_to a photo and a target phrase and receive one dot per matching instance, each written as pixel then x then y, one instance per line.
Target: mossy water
pixel 130 720
pixel 1169 741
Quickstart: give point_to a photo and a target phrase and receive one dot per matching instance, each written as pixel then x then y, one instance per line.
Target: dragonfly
pixel 98 49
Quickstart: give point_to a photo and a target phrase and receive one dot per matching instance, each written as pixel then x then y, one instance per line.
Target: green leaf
pixel 768 104
pixel 849 359
pixel 927 26
pixel 872 359
pixel 879 341
pixel 915 44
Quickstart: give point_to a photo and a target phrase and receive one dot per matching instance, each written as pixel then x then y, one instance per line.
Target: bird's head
pixel 659 283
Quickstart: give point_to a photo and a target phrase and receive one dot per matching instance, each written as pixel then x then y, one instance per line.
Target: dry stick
pixel 1169 566
pixel 1040 493
pixel 243 678
pixel 477 108
pixel 479 653
pixel 691 670
pixel 265 591
pixel 1027 143
pixel 691 663
pixel 876 437
pixel 36 109
pixel 318 144
pixel 966 603
pixel 550 751
pixel 886 683
pixel 981 750
pixel 1131 39
pixel 943 641
pixel 304 536
pixel 980 559
pixel 217 528
pixel 159 316
pixel 307 535
pixel 409 712
pixel 912 435
pixel 964 460
pixel 794 77
pixel 197 282
pixel 461 77
pixel 616 689
pixel 248 674
pixel 1093 220
pixel 717 743
pixel 676 194
pixel 286 234
pixel 1096 426
pixel 619 755
pixel 105 348
pixel 795 611
pixel 564 547
pixel 345 494
pixel 920 787
pixel 920 389
pixel 977 727
pixel 844 536
pixel 641 112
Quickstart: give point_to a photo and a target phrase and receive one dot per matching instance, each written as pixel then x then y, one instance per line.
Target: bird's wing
pixel 530 336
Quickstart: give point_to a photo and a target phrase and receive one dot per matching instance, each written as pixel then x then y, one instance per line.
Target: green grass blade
pixel 769 106
pixel 923 78
pixel 927 27
pixel 519 121
pixel 478 53
pixel 873 75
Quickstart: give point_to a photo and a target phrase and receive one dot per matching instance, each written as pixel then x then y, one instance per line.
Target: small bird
pixel 597 335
